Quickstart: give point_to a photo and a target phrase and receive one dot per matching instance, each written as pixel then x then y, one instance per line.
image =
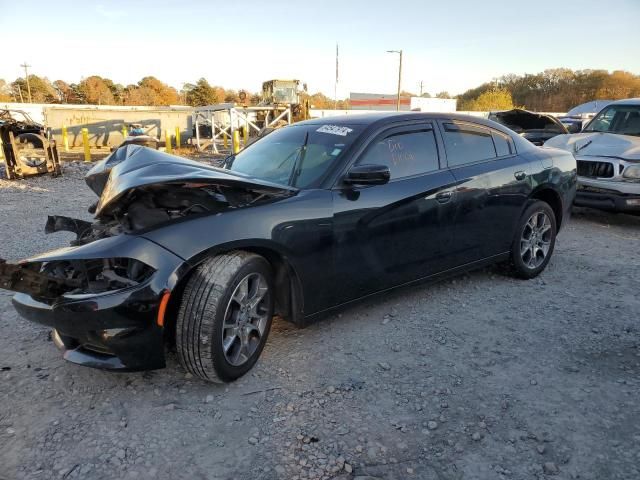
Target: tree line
pixel 96 90
pixel 554 90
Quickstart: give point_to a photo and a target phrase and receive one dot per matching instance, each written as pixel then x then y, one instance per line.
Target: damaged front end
pixel 101 299
pixel 102 295
pixel 138 189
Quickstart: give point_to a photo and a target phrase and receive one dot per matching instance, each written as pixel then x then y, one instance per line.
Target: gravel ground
pixel 481 377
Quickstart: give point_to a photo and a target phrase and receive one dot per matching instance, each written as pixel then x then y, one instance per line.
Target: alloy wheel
pixel 245 319
pixel 535 241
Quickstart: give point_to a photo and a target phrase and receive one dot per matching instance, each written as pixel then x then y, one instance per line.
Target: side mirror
pixel 575 127
pixel 368 175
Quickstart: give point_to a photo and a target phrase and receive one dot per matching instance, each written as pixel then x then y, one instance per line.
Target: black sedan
pixel 308 219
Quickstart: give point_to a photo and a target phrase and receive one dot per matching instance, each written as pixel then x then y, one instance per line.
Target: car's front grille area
pixel 595 169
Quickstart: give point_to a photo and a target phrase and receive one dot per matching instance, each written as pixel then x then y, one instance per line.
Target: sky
pixel 450 45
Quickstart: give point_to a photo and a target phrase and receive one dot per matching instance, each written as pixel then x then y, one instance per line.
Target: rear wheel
pixel 534 240
pixel 225 316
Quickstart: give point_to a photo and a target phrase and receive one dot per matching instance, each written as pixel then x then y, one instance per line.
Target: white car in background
pixel 607 152
pixel 579 116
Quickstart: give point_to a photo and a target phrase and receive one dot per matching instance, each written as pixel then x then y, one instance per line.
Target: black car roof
pixel 382 118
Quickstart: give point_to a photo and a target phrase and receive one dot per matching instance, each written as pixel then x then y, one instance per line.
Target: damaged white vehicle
pixel 607 152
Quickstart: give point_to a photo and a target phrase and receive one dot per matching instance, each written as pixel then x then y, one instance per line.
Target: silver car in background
pixel 607 152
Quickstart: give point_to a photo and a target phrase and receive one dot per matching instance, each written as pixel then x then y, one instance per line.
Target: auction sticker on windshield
pixel 335 130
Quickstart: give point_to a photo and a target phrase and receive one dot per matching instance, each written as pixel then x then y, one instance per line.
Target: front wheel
pixel 225 316
pixel 534 240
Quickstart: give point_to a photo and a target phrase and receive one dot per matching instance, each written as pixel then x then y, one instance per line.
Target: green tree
pixel 42 90
pixel 495 99
pixel 201 93
pixel 443 94
pixel 116 89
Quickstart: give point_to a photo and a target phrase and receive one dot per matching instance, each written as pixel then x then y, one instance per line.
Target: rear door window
pixel 405 152
pixel 467 143
pixel 503 144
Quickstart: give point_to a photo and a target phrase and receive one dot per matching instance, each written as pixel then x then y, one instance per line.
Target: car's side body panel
pixel 297 228
pixel 489 200
pixel 389 234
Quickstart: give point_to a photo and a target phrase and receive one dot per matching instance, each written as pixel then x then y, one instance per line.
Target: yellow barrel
pixel 236 141
pixel 85 144
pixel 167 139
pixel 65 138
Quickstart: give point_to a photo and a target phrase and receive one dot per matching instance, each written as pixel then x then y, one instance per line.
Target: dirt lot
pixel 481 377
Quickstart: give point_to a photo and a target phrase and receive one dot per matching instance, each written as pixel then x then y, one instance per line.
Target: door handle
pixel 444 197
pixel 520 175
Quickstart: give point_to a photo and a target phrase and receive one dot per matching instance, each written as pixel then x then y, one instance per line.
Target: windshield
pixel 17 115
pixel 297 155
pixel 621 119
pixel 285 95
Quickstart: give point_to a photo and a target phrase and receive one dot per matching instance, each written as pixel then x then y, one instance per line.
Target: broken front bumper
pixel 115 330
pixel 617 196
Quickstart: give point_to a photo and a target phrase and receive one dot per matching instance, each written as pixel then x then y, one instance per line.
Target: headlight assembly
pixel 632 171
pixel 98 275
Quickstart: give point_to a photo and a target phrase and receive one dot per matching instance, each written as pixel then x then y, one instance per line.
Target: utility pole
pixel 335 85
pixel 421 88
pixel 26 76
pixel 399 75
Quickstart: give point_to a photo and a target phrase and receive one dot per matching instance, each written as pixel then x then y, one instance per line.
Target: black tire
pixel 206 300
pixel 523 265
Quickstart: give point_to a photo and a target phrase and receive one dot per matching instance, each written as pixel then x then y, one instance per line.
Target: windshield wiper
pixel 577 148
pixel 297 164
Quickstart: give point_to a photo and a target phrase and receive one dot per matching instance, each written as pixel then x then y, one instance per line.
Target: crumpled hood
pixel 598 144
pixel 136 167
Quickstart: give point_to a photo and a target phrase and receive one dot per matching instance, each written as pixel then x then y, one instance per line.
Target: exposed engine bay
pixel 146 207
pixel 134 196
